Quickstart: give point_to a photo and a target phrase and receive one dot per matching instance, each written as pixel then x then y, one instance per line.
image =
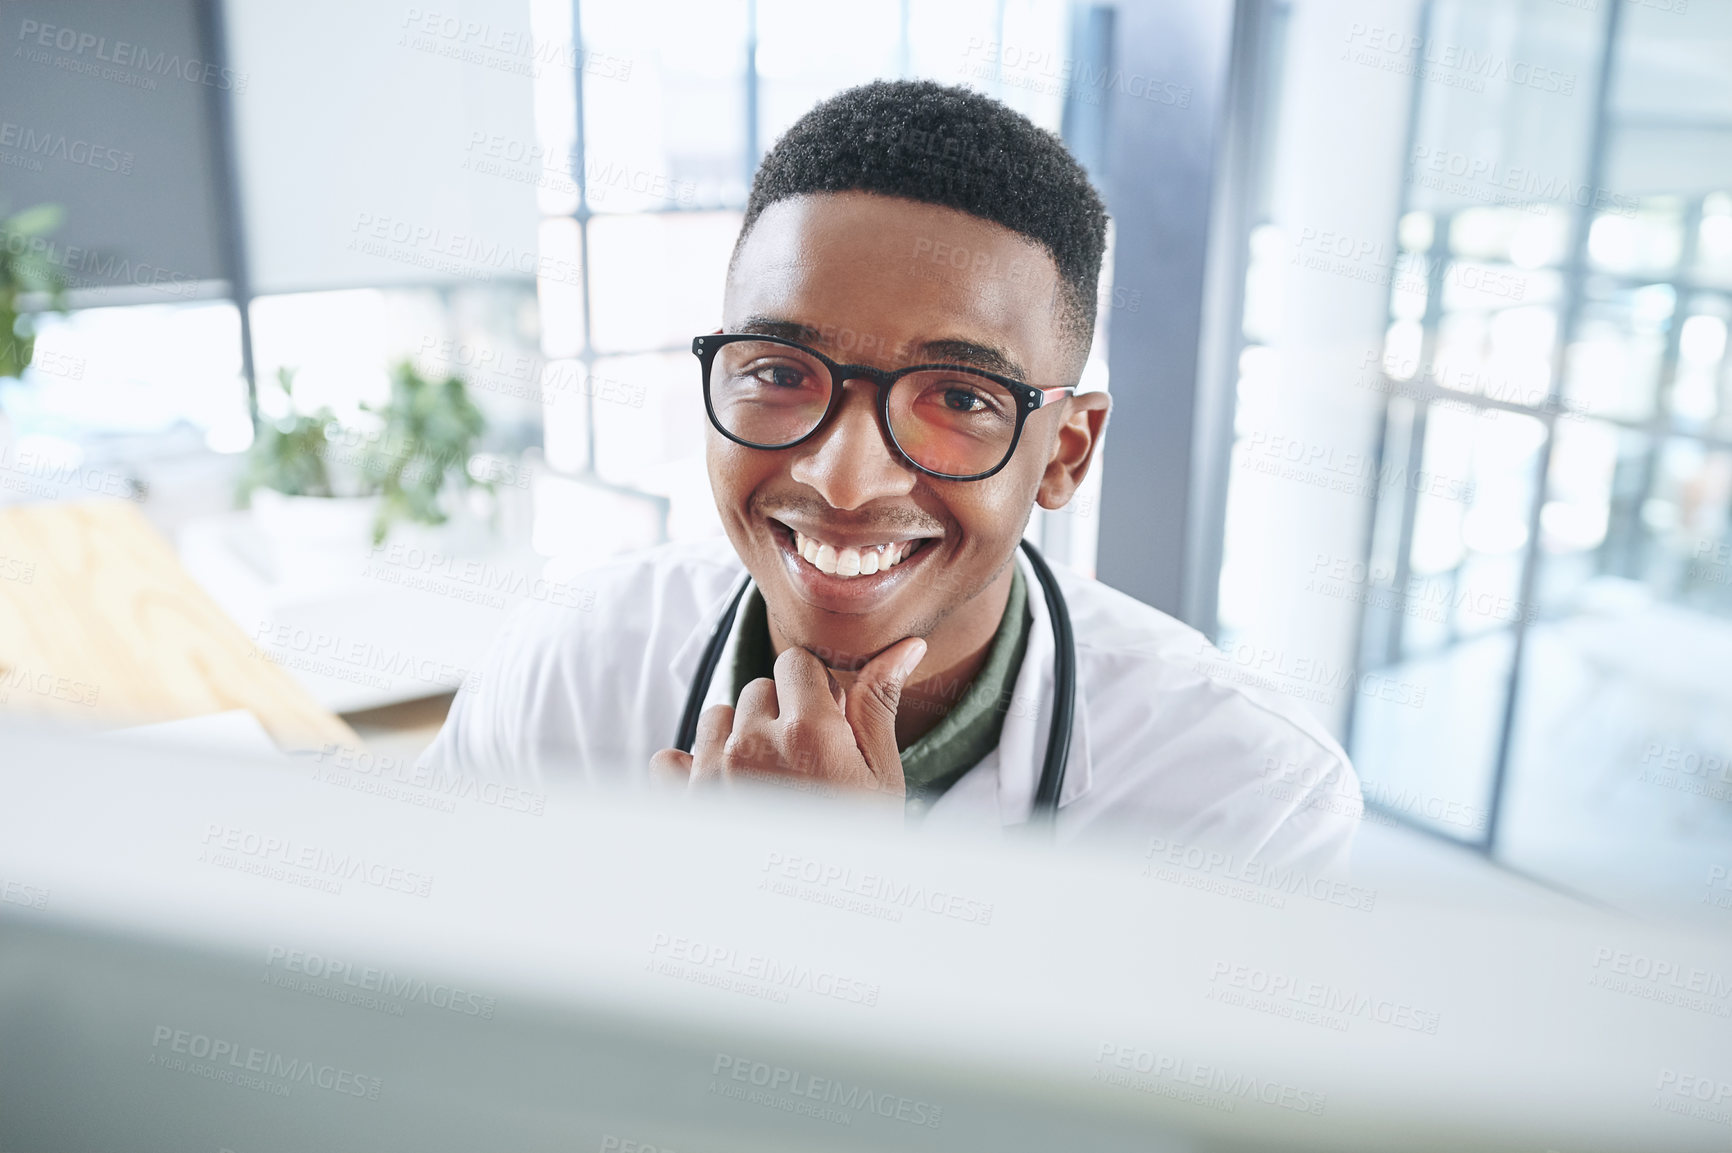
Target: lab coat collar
pixel 1022 742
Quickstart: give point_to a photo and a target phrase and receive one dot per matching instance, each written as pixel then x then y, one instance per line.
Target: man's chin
pixel 843 651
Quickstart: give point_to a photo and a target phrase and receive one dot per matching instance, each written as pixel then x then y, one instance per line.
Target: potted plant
pixel 431 429
pixel 321 492
pixel 24 271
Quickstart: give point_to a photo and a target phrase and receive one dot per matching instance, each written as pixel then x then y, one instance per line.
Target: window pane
pixel 137 369
pixel 657 280
pixel 809 51
pixel 650 422
pixel 664 104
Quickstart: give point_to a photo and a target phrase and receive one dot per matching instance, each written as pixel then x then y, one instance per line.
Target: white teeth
pixel 850 561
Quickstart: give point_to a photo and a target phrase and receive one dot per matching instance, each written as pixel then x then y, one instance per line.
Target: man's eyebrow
pixel 949 351
pixel 974 355
pixel 786 329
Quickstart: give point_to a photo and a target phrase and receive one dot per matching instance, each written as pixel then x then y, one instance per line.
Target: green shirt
pixel 968 731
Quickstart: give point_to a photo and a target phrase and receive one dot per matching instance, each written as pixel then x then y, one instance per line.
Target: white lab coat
pixel 1163 745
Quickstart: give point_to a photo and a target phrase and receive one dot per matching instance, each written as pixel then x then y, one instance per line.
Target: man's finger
pixel 671 767
pixel 804 686
pixel 758 702
pixel 715 726
pixel 874 697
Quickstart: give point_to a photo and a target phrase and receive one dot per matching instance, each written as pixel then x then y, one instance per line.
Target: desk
pixel 100 626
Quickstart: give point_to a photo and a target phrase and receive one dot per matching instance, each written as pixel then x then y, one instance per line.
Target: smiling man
pixel 905 321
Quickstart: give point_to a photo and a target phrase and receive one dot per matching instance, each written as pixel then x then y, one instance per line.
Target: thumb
pixel 876 694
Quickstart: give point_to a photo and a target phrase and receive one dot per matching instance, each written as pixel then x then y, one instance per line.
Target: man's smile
pixel 845 569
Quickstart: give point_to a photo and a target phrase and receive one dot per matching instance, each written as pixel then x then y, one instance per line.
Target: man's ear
pixel 1085 419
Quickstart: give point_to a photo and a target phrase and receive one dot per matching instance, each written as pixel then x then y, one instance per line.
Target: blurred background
pixel 338 331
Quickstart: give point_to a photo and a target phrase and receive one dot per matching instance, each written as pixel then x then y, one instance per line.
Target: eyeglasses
pixel 947 420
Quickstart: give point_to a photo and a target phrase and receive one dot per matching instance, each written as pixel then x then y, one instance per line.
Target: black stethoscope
pixel 1064 682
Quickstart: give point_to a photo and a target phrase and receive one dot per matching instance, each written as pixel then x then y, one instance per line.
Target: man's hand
pixel 805 724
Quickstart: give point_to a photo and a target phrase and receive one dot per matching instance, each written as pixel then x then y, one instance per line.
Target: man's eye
pixel 964 400
pixel 780 376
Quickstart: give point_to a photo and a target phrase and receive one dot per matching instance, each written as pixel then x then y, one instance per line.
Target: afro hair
pixel 953 147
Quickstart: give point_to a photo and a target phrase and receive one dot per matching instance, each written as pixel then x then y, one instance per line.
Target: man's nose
pixel 851 463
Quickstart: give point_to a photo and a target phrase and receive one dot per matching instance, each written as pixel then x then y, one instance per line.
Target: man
pixel 893 645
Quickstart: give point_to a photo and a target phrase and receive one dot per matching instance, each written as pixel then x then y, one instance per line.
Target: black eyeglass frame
pixel 1029 398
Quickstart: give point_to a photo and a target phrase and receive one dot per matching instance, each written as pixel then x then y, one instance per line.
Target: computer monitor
pixel 206 952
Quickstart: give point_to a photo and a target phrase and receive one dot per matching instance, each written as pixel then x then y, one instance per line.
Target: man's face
pixel 885 282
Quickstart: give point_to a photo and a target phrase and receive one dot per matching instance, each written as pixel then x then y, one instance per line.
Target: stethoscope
pixel 1064 681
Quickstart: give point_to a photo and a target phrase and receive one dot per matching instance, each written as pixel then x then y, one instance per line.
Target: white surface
pixel 409 621
pixel 236 732
pixel 1082 954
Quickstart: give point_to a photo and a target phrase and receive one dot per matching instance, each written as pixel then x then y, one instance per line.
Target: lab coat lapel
pixel 684 665
pixel 1022 741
